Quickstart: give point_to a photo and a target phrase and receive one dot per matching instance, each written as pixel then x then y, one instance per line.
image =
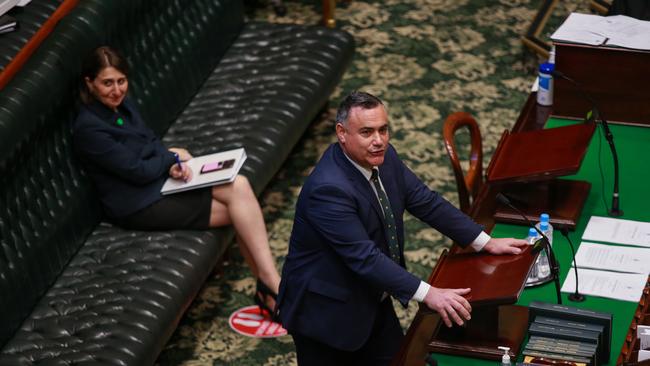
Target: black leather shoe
pixel 261 294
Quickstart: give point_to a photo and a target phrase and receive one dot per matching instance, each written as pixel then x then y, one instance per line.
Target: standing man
pixel 346 250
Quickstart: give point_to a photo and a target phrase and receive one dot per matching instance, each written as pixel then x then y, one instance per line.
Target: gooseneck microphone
pixel 555 268
pixel 576 296
pixel 615 209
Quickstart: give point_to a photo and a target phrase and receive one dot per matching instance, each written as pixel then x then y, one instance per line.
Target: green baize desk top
pixel 633 148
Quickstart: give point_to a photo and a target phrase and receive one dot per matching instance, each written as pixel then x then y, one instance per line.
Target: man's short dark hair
pixel 356 99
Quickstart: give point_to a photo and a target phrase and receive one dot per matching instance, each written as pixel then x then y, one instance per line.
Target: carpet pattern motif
pixel 425 59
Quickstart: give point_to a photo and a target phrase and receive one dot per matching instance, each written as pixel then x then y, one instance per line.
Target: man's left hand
pixel 504 246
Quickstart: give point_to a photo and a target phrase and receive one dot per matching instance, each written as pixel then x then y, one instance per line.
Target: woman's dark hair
pixel 95 62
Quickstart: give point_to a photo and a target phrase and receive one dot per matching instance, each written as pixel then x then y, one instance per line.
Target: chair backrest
pixel 468 183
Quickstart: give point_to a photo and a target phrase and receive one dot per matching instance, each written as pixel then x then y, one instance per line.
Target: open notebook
pixel 209 170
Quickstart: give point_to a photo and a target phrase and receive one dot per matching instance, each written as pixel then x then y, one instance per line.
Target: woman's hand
pixel 183 154
pixel 183 172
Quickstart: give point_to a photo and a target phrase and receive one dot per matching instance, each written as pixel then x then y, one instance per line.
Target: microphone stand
pixel 576 296
pixel 552 261
pixel 615 211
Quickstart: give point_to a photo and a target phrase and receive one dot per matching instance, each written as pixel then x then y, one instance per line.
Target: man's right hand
pixel 450 304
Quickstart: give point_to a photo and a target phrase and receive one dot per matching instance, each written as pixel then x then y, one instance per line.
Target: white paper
pixel 613 258
pixel 628 32
pixel 618 231
pixel 618 30
pixel 581 28
pixel 6 5
pixel 23 2
pixel 643 334
pixel 644 355
pixel 208 179
pixel 613 285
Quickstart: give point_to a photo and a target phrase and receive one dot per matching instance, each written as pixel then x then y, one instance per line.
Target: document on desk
pixel 596 30
pixel 613 285
pixel 618 231
pixel 613 258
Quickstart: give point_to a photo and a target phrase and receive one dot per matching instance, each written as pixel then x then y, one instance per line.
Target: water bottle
pixel 545 227
pixel 531 239
pixel 545 88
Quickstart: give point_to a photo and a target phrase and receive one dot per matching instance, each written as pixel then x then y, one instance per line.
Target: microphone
pixel 576 296
pixel 595 114
pixel 544 243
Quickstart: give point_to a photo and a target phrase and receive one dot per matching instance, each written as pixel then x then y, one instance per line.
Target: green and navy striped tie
pixel 389 218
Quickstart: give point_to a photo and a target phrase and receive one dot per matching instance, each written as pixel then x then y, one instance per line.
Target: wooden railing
pixel 26 52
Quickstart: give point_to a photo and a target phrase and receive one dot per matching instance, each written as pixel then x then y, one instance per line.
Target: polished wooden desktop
pixel 414 349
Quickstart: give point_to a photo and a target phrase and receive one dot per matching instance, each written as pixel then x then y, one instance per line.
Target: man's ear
pixel 340 133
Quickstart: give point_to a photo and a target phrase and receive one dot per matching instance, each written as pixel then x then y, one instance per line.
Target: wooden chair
pixel 468 183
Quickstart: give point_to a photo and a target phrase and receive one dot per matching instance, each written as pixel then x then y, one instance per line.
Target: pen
pixel 178 161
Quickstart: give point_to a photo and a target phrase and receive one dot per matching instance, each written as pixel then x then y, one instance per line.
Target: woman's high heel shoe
pixel 261 294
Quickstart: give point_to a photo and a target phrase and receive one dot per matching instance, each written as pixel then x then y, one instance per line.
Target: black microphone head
pixel 538 246
pixel 558 73
pixel 503 199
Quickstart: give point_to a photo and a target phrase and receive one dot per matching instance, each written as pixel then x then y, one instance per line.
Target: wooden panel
pixel 616 78
pixel 539 155
pixel 501 277
pixel 561 199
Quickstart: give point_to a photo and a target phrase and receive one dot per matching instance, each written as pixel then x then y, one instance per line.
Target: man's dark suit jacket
pixel 338 266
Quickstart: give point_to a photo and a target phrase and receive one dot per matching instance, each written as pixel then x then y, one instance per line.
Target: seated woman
pixel 129 165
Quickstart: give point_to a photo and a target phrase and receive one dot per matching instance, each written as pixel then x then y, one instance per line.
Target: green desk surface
pixel 633 147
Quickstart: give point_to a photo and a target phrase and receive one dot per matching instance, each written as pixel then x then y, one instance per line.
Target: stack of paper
pixel 643 333
pixel 613 271
pixel 596 30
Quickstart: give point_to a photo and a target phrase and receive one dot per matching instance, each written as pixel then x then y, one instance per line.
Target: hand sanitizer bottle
pixel 505 359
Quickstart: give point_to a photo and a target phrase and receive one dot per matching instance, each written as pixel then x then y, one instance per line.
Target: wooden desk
pixel 616 78
pixel 414 347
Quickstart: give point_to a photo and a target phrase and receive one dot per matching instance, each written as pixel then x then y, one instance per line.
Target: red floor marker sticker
pixel 252 322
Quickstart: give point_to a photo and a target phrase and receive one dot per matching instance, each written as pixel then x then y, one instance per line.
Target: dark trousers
pixel 380 348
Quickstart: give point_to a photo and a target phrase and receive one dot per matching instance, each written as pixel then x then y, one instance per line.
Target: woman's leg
pixel 236 204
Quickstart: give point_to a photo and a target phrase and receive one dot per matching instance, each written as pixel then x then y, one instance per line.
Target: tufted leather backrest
pixel 47 205
pixel 171 47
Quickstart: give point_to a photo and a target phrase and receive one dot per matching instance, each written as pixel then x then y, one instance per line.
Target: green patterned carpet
pixel 425 59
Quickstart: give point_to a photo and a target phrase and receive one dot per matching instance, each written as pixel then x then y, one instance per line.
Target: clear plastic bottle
pixel 548 229
pixel 531 239
pixel 545 227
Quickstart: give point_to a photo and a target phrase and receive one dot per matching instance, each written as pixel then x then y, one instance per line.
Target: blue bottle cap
pixel 546 68
pixel 543 225
pixel 532 232
pixel 544 217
